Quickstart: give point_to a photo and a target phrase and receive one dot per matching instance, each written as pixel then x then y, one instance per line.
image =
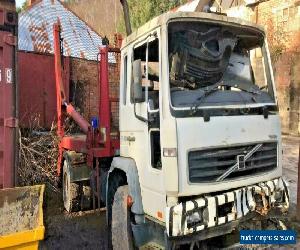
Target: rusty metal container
pixel 8 93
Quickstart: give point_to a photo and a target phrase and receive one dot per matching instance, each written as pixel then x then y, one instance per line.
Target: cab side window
pixel 152 81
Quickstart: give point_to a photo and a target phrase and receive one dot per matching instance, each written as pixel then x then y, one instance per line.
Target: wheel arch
pixel 124 171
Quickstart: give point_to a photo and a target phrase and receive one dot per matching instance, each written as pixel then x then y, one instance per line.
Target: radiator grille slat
pixel 220 153
pixel 207 165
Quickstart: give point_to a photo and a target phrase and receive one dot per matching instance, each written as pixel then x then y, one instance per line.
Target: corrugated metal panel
pixel 36 31
pixel 8 121
pixel 37 89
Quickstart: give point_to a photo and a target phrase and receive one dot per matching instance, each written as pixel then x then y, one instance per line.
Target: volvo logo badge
pixel 241 162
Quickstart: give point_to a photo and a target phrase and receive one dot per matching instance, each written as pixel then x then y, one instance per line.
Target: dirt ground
pixel 87 230
pixel 81 230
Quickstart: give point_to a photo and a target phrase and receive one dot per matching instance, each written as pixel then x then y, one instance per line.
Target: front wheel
pixel 122 238
pixel 71 190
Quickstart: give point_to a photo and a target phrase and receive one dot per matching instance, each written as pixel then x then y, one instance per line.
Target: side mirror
pixel 138 95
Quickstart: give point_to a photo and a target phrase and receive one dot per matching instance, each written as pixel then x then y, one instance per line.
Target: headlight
pixel 194 218
pixel 279 196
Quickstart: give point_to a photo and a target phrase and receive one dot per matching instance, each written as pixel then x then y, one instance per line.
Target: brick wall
pixel 114 92
pixel 84 89
pixel 84 92
pixel 287 77
pixel 281 20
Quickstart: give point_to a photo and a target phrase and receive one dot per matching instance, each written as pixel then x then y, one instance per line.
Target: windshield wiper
pixel 215 88
pixel 206 93
pixel 236 165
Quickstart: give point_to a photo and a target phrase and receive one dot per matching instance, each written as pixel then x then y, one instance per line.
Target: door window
pixel 150 71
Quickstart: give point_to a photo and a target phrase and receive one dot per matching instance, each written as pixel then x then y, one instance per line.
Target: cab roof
pixel 170 16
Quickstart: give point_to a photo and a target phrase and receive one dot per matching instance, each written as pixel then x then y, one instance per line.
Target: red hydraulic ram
pixel 61 97
pixel 82 123
pixel 62 103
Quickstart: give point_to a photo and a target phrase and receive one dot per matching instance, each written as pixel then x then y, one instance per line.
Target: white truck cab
pixel 200 147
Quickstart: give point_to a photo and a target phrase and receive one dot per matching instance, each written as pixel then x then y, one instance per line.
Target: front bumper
pixel 211 211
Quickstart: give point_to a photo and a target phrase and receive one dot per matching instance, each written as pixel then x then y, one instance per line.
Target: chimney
pixel 31 2
pixel 8 4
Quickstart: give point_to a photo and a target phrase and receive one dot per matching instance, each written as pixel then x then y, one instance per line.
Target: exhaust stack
pixel 126 16
pixel 203 5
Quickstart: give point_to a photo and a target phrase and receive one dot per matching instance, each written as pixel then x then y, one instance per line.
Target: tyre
pixel 71 190
pixel 122 238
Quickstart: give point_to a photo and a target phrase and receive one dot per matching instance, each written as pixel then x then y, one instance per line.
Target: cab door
pixel 139 121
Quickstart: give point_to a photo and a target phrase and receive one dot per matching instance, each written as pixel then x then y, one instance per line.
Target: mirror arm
pixel 138 116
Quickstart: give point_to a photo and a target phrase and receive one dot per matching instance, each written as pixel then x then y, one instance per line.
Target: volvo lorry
pixel 199 154
pixel 200 138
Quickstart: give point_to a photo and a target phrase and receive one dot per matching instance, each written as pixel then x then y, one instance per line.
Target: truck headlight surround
pixel 194 218
pixel 279 196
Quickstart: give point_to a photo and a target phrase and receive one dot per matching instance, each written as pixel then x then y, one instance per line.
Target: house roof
pixel 36 31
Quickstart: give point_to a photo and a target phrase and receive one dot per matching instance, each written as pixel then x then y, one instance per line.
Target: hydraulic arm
pixel 60 90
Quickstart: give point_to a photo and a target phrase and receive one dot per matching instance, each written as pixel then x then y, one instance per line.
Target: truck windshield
pixel 214 65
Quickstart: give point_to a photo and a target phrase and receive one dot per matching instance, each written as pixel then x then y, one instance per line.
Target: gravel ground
pixel 87 230
pixel 290 172
pixel 290 166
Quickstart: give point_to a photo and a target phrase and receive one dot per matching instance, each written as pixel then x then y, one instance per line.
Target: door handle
pixel 130 138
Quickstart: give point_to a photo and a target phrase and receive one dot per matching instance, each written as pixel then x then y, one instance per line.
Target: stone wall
pixel 281 20
pixel 287 77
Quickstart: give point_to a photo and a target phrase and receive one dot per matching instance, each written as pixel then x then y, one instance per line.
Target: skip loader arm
pixel 60 89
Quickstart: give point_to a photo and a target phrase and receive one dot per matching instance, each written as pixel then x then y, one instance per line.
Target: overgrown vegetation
pixel 142 11
pixel 23 7
pixel 38 157
pixel 277 39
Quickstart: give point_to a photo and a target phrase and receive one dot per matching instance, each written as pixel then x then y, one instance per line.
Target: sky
pixel 20 2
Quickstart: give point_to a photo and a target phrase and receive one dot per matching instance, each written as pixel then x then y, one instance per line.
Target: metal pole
pixel 298 189
pixel 126 17
pixel 104 103
pixel 60 92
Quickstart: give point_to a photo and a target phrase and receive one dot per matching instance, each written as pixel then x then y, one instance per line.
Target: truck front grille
pixel 207 165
